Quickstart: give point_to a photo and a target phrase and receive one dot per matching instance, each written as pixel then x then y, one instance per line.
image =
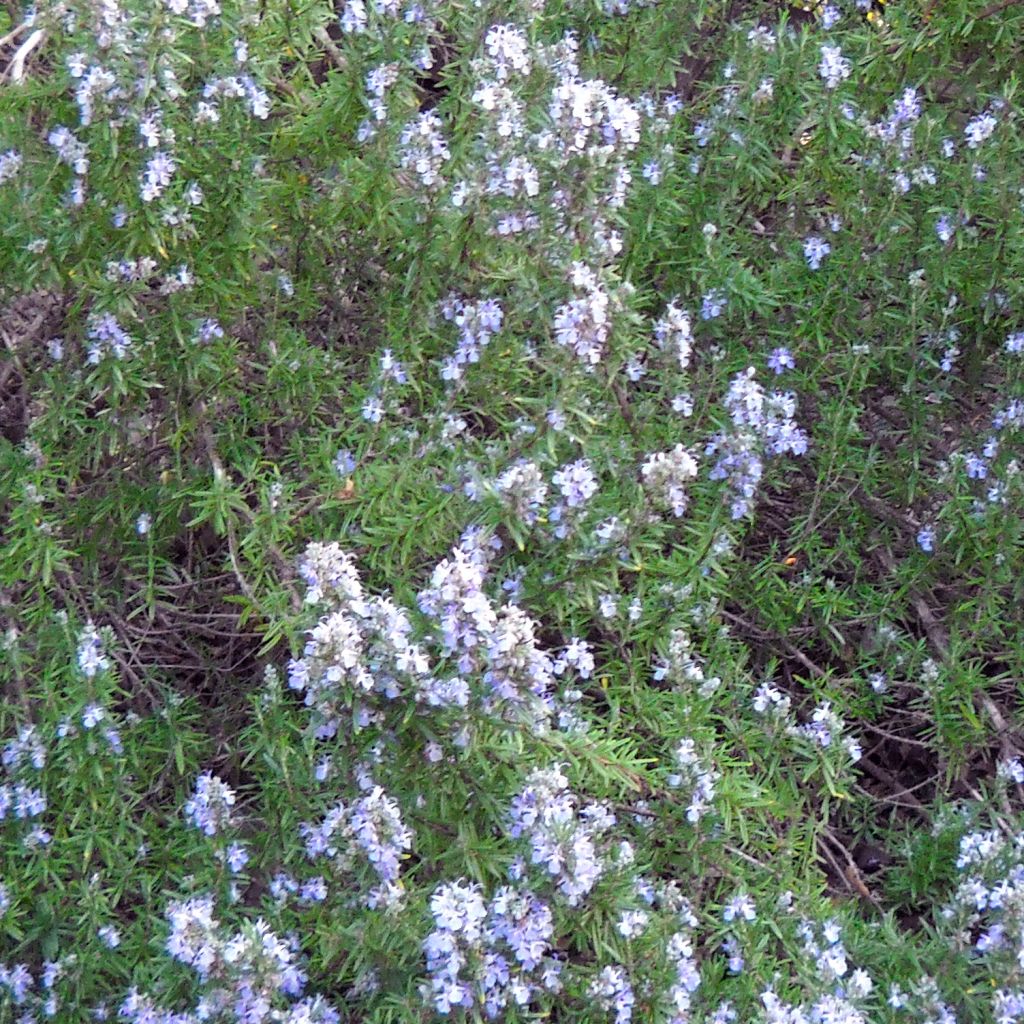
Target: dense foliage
pixel 511 511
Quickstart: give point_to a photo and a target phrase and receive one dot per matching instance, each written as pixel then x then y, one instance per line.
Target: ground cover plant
pixel 511 511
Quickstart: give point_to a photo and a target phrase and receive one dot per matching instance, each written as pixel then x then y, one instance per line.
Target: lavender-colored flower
pixel 157 176
pixel 780 360
pixel 18 981
pixel 378 830
pixel 91 659
pixel 459 908
pixel 423 148
pixel 907 108
pixel 578 655
pixel 373 409
pixel 10 164
pixel 209 808
pixel 508 50
pixel 583 324
pixel 683 403
pixel 979 129
pixel 652 172
pixel 370 828
pixel 613 991
pixel 976 466
pixel 493 954
pixel 391 368
pixel 478 323
pixel 761 423
pixel 26 801
pixel 768 699
pixel 522 490
pixel 26 750
pixel 588 115
pixel 561 835
pixel 330 575
pixel 733 951
pixel 518 674
pixel 456 600
pixel 697 780
pixel 92 715
pixel 834 67
pixel 107 337
pixel 576 482
pixel 344 462
pixel 673 332
pixel 713 304
pixel 740 908
pixel 815 250
pixel 237 856
pixel 314 890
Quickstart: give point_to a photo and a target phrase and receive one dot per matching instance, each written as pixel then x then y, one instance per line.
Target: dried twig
pixel 14 33
pixel 337 57
pixel 847 868
pixel 15 71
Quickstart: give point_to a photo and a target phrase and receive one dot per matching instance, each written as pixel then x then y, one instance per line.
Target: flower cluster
pixel 762 423
pixel 697 780
pixel 665 476
pixel 561 834
pixel 244 974
pixel 987 910
pixel 522 490
pixel 674 333
pixel 107 337
pixel 590 117
pixel 10 164
pixel 613 991
pixel 576 482
pixel 815 250
pixel 582 325
pixel 834 67
pixel 491 954
pixel 22 797
pixel 364 649
pixel 209 808
pixel 478 322
pixel 371 829
pixel 825 730
pixel 683 668
pixel 424 149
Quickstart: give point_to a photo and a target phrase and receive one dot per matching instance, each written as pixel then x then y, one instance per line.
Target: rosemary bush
pixel 511 511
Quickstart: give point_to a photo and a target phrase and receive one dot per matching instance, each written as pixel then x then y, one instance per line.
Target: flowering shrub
pixel 512 512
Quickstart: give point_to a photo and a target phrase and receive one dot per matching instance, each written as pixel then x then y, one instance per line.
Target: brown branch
pixel 337 57
pixel 995 9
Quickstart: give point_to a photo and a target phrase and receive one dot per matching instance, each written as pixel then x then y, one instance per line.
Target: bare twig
pixel 14 33
pixel 337 57
pixel 15 71
pixel 847 869
pixel 896 737
pixel 624 408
